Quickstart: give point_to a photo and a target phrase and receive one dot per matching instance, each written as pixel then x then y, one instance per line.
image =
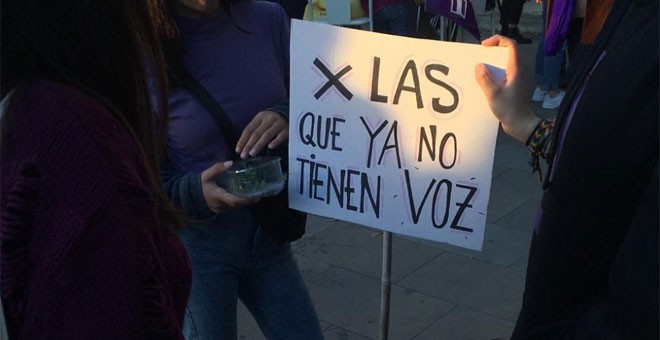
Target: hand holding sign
pixel 508 100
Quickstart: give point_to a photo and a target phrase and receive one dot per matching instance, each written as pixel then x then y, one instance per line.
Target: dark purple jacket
pixel 82 255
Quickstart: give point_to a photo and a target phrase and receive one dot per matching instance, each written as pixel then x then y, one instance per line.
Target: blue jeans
pixel 399 19
pixel 233 259
pixel 547 68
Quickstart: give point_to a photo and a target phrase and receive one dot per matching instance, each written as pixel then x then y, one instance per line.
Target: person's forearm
pixel 185 191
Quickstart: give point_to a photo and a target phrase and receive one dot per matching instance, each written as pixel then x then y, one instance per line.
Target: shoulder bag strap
pixel 212 106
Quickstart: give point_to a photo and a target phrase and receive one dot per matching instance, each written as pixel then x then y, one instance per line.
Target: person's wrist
pixel 523 126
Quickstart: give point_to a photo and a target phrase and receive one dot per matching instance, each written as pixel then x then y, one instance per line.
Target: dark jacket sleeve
pixel 630 310
pixel 185 190
pixel 281 108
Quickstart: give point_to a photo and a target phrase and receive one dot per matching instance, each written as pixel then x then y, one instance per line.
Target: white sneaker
pixel 538 95
pixel 553 103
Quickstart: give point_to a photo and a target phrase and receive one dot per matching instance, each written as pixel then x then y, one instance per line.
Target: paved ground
pixel 439 291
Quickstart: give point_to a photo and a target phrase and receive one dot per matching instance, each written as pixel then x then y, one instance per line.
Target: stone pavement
pixel 438 291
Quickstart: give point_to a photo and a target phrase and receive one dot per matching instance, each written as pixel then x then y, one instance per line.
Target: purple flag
pixel 460 11
pixel 561 14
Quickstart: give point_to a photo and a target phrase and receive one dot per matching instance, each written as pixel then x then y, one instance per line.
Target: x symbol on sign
pixel 333 80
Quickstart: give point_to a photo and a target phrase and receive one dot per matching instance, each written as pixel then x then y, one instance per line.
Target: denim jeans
pixel 399 19
pixel 233 259
pixel 547 68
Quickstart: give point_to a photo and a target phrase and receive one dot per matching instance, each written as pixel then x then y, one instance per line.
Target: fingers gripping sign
pixel 508 98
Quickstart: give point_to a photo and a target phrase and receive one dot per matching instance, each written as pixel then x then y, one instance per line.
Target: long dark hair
pixel 105 48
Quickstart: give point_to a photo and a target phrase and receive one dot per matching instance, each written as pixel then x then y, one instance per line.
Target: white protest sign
pixel 391 132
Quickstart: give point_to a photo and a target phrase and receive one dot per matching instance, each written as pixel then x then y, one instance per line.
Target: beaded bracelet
pixel 539 143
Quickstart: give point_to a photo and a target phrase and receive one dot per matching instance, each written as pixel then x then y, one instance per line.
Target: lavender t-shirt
pixel 243 64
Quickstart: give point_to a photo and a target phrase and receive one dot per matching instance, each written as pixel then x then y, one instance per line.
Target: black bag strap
pixel 272 213
pixel 212 106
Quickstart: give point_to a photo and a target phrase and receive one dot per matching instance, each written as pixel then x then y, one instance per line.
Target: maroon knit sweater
pixel 81 254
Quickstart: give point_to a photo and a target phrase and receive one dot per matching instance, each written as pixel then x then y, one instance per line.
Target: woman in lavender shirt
pixel 239 52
